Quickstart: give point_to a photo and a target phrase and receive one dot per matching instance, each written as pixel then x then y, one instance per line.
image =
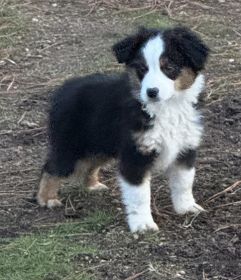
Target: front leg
pixel 137 200
pixel 134 180
pixel 181 176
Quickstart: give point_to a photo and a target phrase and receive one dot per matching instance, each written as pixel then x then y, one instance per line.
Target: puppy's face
pixel 162 64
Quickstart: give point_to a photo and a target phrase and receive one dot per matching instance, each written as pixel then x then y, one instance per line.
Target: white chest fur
pixel 176 127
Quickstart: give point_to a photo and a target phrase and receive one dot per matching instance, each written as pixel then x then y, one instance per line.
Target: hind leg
pixel 92 180
pixel 88 171
pixel 48 190
pixel 54 171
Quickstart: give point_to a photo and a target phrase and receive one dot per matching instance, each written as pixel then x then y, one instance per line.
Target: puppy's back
pixel 85 114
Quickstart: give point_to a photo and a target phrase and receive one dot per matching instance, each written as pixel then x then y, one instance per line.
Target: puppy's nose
pixel 152 92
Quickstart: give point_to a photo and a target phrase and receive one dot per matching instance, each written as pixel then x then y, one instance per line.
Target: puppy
pixel 145 117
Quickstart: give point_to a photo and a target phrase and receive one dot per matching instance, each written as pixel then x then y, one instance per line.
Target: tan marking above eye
pixel 163 61
pixel 185 79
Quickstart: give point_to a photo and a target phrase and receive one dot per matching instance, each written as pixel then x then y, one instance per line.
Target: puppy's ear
pixel 189 45
pixel 126 49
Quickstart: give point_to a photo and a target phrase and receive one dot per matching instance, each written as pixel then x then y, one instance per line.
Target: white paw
pixel 98 187
pixel 50 203
pixel 186 205
pixel 41 201
pixel 141 223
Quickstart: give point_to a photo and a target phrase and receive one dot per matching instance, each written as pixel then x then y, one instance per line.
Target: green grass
pixel 51 255
pixel 95 222
pixel 11 23
pixel 150 19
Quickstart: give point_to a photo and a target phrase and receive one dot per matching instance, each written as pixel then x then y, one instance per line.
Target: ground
pixel 44 42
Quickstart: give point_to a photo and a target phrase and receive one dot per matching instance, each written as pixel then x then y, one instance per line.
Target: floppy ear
pixel 126 49
pixel 194 51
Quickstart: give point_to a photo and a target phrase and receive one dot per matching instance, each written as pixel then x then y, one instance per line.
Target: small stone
pixel 135 236
pixel 29 124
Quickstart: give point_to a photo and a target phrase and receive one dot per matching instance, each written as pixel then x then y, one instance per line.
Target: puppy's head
pixel 164 63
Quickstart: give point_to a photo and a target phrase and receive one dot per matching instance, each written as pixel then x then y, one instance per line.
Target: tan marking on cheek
pixel 185 79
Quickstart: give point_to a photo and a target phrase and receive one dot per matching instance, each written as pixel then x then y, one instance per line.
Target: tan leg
pixel 92 180
pixel 88 171
pixel 48 191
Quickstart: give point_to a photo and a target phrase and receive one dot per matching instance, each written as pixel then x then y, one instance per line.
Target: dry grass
pixel 11 25
pixel 23 106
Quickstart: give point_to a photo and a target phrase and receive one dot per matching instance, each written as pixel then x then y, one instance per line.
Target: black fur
pixel 133 164
pixel 97 115
pixel 187 158
pixel 92 116
pixel 185 48
pixel 127 49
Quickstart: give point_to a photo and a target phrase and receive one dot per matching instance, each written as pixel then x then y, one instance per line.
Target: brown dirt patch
pixel 72 38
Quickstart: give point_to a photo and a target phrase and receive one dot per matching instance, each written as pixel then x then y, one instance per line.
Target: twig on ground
pixel 20 183
pixel 50 46
pixel 153 269
pixel 11 61
pixel 239 34
pixel 36 129
pixel 94 7
pixel 187 224
pixel 11 84
pixel 8 35
pixel 14 193
pixel 229 189
pixel 143 15
pixel 228 226
pixel 22 117
pixel 71 205
pixel 206 7
pixel 137 275
pixel 168 9
pixel 6 132
pixel 126 10
pixel 235 203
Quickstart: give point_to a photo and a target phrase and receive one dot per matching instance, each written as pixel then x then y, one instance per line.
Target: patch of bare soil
pixel 68 38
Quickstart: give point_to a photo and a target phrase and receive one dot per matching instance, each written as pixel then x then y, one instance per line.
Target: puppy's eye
pixel 141 69
pixel 170 69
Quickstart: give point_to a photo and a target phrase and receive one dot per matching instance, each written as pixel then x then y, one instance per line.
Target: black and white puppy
pixel 145 117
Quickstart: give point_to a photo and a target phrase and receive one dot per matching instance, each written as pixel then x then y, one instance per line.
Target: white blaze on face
pixel 155 78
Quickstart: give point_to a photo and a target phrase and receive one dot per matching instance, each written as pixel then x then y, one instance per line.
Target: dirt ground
pixel 69 38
